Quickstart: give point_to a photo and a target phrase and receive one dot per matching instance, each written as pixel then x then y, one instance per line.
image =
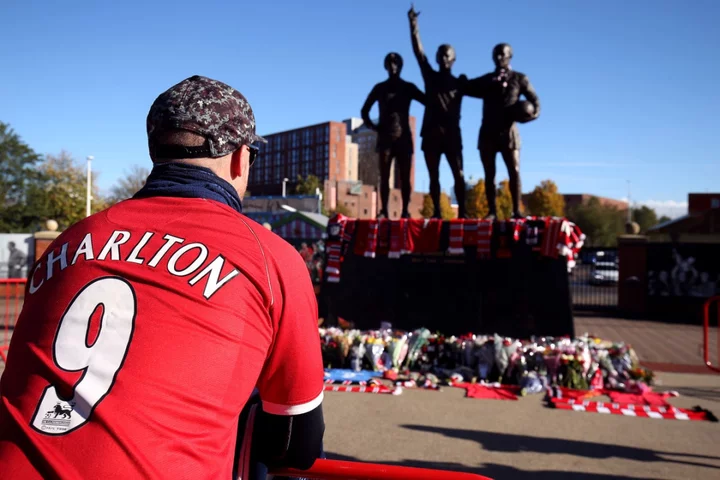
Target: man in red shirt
pixel 146 327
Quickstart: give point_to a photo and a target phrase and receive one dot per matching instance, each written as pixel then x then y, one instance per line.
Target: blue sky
pixel 628 89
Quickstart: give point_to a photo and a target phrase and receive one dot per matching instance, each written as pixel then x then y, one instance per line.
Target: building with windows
pixel 341 154
pixel 368 168
pixel 324 150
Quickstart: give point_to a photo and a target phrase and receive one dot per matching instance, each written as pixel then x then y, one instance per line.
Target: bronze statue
pixel 441 123
pixel 394 137
pixel 500 91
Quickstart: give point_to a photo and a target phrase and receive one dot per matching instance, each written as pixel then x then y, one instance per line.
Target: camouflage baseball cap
pixel 208 108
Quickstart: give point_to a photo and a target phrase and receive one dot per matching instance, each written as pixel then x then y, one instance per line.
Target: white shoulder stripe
pixel 278 409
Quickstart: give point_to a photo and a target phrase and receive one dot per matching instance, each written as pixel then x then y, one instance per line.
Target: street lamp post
pixel 320 197
pixel 284 188
pixel 88 198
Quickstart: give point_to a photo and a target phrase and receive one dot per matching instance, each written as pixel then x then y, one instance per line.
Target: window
pixel 304 167
pixel 365 211
pixel 325 152
pixel 294 164
pixel 327 133
pixel 277 168
pixel 295 139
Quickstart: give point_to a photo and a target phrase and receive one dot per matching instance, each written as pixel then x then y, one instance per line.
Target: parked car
pixel 603 256
pixel 604 273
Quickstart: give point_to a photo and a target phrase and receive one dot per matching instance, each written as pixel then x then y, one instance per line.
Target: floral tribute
pixel 431 360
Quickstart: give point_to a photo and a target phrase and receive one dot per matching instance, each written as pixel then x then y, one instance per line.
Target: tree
pixel 476 205
pixel 446 211
pixel 17 172
pixel 546 201
pixel 129 185
pixel 61 192
pixel 339 208
pixel 645 217
pixel 308 185
pixel 663 219
pixel 600 223
pixel 503 201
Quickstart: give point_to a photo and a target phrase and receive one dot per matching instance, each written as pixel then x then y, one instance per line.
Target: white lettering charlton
pixel 173 255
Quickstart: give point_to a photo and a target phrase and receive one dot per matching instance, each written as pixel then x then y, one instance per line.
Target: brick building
pixel 324 150
pixel 368 168
pixel 342 155
pixel 575 199
pixel 361 200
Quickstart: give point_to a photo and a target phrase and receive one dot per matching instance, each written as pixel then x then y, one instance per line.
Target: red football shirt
pixel 145 329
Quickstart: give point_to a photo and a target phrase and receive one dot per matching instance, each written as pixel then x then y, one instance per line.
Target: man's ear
pixel 236 163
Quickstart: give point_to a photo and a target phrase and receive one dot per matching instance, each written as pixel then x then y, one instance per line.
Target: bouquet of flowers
pixel 374 349
pixel 581 363
pixel 416 341
pixel 485 359
pixel 398 349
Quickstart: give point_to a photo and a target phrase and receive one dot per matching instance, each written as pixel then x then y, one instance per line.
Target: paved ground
pixel 662 346
pixel 524 439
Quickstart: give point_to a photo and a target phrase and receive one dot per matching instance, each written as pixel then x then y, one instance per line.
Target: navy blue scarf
pixel 189 181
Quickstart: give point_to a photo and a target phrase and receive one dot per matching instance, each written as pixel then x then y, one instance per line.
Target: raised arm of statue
pixel 365 111
pixel 529 93
pixel 416 43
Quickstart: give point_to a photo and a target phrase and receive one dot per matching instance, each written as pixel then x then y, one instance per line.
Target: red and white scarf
pixel 399 238
pixel 372 240
pixel 483 235
pixel 551 237
pixel 456 237
pixel 336 235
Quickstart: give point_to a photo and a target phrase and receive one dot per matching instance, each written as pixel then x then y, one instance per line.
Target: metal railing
pixel 706 332
pixel 344 470
pixel 12 292
pixel 594 280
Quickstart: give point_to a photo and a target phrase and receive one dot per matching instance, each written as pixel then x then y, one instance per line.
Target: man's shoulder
pixel 272 243
pixel 485 78
pixel 407 85
pixel 520 76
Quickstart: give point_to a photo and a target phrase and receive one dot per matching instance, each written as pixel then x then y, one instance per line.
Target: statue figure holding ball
pixel 500 91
